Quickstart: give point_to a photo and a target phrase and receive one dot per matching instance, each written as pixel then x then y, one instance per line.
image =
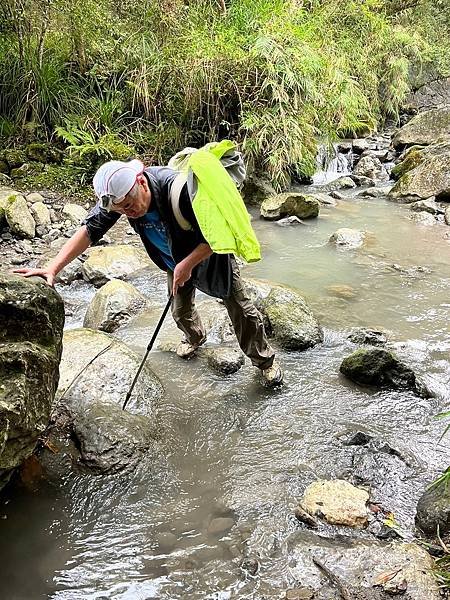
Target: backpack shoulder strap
pixel 175 191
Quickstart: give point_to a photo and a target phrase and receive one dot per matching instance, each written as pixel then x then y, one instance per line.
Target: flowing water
pixel 235 450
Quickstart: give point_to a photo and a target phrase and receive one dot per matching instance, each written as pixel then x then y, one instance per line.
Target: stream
pixel 236 451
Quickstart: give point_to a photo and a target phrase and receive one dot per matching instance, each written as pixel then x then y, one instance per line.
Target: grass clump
pixel 276 75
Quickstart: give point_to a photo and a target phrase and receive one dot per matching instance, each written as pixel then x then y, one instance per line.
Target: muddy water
pixel 236 451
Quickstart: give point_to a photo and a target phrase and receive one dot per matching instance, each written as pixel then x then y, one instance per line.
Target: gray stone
pixel 348 238
pixel 429 206
pixel 342 183
pixel 220 525
pixel 114 262
pixel 71 272
pixel 5 180
pixel 287 221
pixel 35 197
pixel 290 204
pixel 434 94
pixel 380 368
pixel 376 192
pixel 425 128
pixel 365 335
pixel 31 323
pixel 74 213
pixel 113 305
pixel 433 510
pixel 256 190
pixel 96 367
pixel 111 439
pixel 40 213
pixel 324 199
pixel 423 218
pixel 19 217
pixel 371 167
pixel 361 180
pixel 359 145
pixel 447 215
pixel 290 320
pixel 225 360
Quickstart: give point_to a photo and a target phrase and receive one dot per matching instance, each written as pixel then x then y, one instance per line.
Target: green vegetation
pixel 114 79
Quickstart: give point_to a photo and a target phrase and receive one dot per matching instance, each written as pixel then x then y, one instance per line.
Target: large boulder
pixel 290 320
pixel 113 305
pixel 114 262
pixel 97 368
pixel 111 439
pixel 434 94
pixel 430 177
pixel 380 368
pixel 341 183
pixel 425 128
pixel 433 510
pixel 290 204
pixel 18 216
pixel 412 158
pixel 31 324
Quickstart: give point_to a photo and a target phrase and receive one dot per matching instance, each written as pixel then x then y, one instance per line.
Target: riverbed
pixel 238 451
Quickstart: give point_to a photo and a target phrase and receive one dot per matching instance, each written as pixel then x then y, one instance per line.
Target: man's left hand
pixel 181 274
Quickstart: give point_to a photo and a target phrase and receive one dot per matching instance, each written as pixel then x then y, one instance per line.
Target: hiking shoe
pixel 273 375
pixel 185 349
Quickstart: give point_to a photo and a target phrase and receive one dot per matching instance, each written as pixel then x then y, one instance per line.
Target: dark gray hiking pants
pixel 246 319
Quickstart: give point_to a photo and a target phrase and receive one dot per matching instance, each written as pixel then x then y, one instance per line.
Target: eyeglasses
pixel 108 199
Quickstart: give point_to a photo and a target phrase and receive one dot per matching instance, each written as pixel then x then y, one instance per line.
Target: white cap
pixel 114 180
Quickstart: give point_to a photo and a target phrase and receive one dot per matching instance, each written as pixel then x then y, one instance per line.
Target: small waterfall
pixel 332 162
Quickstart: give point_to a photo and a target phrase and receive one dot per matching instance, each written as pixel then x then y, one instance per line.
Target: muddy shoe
pixel 186 350
pixel 273 375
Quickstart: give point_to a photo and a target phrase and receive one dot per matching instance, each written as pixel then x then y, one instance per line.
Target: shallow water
pixel 236 450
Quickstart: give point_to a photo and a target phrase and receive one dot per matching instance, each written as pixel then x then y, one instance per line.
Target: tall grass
pixel 276 75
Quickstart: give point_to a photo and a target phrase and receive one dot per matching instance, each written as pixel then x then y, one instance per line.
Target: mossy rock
pixel 379 368
pixel 433 510
pixel 43 153
pixel 26 169
pixel 14 157
pixel 289 204
pixel 430 178
pixel 412 159
pixel 59 178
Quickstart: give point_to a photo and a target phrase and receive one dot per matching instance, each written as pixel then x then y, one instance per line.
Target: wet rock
pixel 166 541
pixel 447 215
pixel 299 594
pixel 114 262
pixel 225 360
pixel 290 204
pixel 431 177
pixel 347 292
pixel 371 167
pixel 423 218
pixel 365 335
pixel 96 367
pixel 342 183
pixel 348 238
pixel 428 205
pixel 113 305
pixel 412 158
pixel 338 502
pixel 433 510
pixel 324 199
pixel 74 213
pixel 250 565
pixel 256 290
pixel 71 272
pixel 360 438
pixel 379 368
pixel 289 221
pixel 291 321
pixel 358 566
pixel 110 439
pixel 361 180
pixel 220 525
pixel 31 323
pixel 19 217
pixel 40 213
pixel 425 128
pixel 359 145
pixel 256 190
pixel 376 192
pixel 337 195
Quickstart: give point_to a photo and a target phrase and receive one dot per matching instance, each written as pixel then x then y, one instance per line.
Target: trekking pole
pixel 149 347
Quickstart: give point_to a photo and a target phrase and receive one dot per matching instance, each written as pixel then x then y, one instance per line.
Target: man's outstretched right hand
pixel 48 274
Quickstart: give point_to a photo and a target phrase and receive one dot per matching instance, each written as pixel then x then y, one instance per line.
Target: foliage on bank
pixel 108 80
